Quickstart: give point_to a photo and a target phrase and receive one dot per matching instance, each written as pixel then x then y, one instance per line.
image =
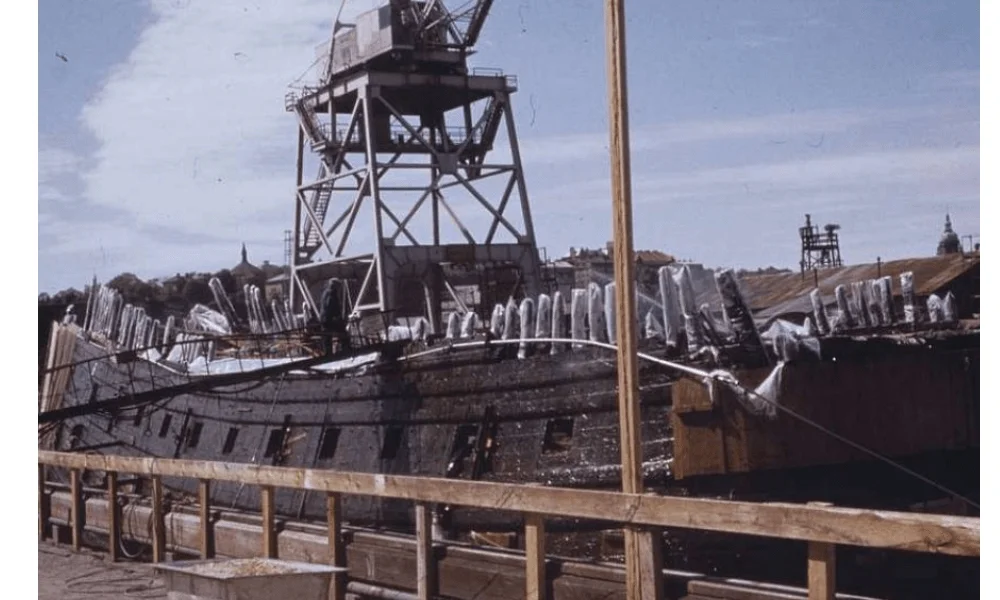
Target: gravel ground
pixel 86 575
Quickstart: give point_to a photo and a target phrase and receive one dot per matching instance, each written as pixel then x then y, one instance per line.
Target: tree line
pixel 160 298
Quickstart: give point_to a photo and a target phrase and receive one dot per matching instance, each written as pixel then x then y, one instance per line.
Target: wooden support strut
pixel 76 509
pixel 822 571
pixel 270 535
pixel 114 519
pixel 335 542
pixel 159 528
pixel 534 557
pixel 207 535
pixel 426 566
pixel 44 507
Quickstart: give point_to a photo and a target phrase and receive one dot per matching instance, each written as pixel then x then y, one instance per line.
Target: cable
pixel 121 541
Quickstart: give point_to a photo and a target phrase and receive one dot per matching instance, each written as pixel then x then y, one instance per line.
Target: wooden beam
pixel 822 571
pixel 76 510
pixel 621 209
pixel 206 537
pixel 635 539
pixel 335 543
pixel 44 507
pixel 159 528
pixel 269 538
pixel 114 519
pixel 847 526
pixel 426 568
pixel 650 547
pixel 534 557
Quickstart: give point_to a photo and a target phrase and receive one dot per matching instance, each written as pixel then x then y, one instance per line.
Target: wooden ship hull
pixel 471 413
pixel 551 419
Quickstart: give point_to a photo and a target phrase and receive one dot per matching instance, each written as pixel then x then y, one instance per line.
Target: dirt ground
pixel 87 575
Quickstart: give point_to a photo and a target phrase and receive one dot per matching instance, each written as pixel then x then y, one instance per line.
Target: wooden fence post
pixel 44 506
pixel 159 528
pixel 335 541
pixel 76 508
pixel 534 557
pixel 270 537
pixel 426 568
pixel 822 571
pixel 207 537
pixel 114 520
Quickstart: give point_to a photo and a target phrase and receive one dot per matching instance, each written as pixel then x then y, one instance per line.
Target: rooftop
pixel 770 295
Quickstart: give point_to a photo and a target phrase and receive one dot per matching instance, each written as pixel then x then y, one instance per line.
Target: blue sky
pixel 164 144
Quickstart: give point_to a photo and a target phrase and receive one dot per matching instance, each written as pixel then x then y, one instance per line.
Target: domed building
pixel 950 242
pixel 245 272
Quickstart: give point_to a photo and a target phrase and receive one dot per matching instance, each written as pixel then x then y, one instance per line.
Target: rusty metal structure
pixel 404 131
pixel 819 250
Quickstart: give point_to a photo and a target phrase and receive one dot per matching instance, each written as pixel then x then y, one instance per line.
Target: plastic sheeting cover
pixel 789 340
pixel 207 319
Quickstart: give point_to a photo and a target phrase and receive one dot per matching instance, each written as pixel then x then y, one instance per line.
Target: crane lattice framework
pixel 404 132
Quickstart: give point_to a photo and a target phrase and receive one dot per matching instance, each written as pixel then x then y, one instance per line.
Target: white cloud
pixel 189 127
pixel 53 161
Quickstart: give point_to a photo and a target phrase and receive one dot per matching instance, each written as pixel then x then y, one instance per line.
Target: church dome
pixel 246 272
pixel 950 242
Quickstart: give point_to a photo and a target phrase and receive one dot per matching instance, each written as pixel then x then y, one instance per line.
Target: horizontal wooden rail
pixel 832 525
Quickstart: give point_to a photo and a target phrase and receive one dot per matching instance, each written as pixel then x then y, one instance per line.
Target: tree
pixel 197 291
pixel 227 280
pixel 134 290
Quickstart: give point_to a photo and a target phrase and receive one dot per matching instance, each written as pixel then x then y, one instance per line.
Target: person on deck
pixel 333 317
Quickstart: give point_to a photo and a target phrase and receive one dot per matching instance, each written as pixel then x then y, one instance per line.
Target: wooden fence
pixel 823 527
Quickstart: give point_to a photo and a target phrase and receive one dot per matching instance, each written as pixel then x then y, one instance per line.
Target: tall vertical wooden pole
pixel 641 580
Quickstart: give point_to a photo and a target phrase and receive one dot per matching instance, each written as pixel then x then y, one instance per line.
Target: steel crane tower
pixel 418 163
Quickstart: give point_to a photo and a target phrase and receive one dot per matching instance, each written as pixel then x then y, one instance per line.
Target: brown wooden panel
pixel 897 406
